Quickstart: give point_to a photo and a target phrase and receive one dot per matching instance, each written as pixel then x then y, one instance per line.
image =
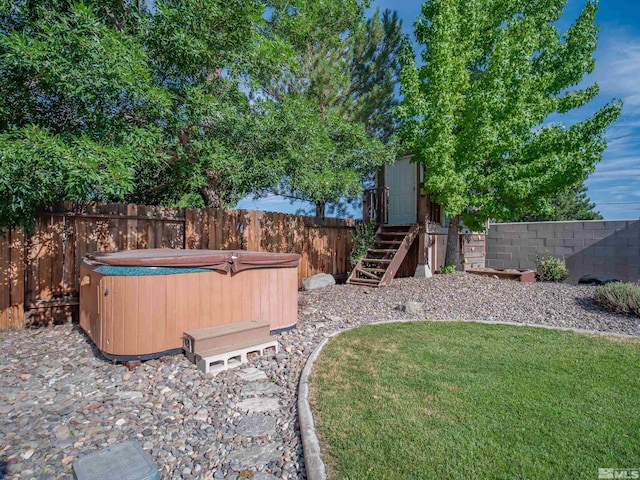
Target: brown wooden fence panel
pixel 39 272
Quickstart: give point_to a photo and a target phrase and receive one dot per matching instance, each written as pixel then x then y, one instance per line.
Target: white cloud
pixel 628 174
pixel 618 66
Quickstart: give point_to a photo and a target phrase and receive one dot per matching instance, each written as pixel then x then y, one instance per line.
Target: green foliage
pixel 328 165
pixel 374 64
pixel 363 237
pixel 571 204
pixel 448 269
pixel 116 101
pixel 619 297
pixel 336 103
pixel 476 110
pixel 70 85
pixel 551 269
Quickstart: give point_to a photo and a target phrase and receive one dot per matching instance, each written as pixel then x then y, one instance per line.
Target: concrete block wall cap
pixel 314 465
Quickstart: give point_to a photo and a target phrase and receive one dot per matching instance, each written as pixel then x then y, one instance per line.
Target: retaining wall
pixel 609 247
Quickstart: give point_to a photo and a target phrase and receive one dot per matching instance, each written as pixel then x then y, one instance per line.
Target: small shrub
pixel 363 236
pixel 551 269
pixel 448 269
pixel 619 297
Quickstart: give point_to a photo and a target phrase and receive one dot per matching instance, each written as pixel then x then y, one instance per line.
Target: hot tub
pixel 136 304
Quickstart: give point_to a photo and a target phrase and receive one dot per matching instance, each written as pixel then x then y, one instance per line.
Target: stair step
pixel 388 242
pixel 367 274
pixel 376 260
pixel 205 339
pixel 382 250
pixel 408 226
pixel 373 270
pixel 364 281
pixel 394 234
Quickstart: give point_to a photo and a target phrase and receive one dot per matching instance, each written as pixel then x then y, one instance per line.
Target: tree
pixel 477 111
pixel 70 86
pixel 110 101
pixel 572 204
pixel 337 100
pixel 374 65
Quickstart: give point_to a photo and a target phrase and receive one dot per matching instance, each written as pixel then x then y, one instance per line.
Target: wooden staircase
pixel 382 260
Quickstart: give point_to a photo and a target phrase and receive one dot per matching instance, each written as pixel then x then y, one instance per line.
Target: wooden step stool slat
pixel 198 341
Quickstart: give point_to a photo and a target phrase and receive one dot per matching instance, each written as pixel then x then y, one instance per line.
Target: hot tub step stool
pixel 224 358
pixel 250 332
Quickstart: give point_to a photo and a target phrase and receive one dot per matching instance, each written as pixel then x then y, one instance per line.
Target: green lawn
pixel 463 400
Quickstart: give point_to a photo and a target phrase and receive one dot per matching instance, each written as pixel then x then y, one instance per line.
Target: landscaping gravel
pixel 59 400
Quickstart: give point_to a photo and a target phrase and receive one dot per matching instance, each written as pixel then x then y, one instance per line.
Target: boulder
pixel 318 281
pixel 412 308
pixel 596 279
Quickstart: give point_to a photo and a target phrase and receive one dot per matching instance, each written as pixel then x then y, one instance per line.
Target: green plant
pixel 363 237
pixel 551 269
pixel 448 269
pixel 476 102
pixel 619 297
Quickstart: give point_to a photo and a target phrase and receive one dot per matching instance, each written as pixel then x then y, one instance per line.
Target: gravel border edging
pixel 310 443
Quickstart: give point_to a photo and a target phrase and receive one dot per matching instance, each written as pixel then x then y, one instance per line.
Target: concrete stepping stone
pixel 252 456
pixel 256 426
pixel 251 374
pixel 259 388
pixel 258 405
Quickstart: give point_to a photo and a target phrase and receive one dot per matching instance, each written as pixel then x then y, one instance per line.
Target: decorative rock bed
pixel 58 400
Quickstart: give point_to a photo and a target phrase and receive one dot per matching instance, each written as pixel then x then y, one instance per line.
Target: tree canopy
pixel 571 204
pixel 194 103
pixel 478 111
pixel 337 100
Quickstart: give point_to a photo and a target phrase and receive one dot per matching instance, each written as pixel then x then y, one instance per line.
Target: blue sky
pixel 615 185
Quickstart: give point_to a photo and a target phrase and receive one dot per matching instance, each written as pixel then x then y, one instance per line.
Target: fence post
pixel 17 278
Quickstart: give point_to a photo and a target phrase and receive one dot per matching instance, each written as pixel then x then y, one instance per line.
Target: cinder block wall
pixel 610 247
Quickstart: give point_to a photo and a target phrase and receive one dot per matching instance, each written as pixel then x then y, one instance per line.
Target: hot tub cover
pixel 226 260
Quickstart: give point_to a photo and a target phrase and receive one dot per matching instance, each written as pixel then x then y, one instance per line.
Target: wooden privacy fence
pixel 39 272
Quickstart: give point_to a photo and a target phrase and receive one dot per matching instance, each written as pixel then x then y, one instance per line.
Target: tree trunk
pixel 320 208
pixel 453 255
pixel 210 197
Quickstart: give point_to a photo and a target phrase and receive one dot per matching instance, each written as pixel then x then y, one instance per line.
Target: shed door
pixel 402 183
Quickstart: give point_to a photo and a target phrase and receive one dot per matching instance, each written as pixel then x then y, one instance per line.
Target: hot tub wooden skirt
pixel 143 316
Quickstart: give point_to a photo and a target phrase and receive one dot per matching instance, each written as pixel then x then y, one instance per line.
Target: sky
pixel 615 185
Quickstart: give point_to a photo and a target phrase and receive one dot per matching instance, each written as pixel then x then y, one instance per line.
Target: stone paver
pixel 258 404
pixel 256 425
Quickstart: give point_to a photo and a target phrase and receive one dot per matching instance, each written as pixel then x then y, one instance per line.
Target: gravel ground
pixel 59 400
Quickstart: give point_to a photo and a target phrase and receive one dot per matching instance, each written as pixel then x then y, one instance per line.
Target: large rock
pixel 315 282
pixel 412 308
pixel 596 279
